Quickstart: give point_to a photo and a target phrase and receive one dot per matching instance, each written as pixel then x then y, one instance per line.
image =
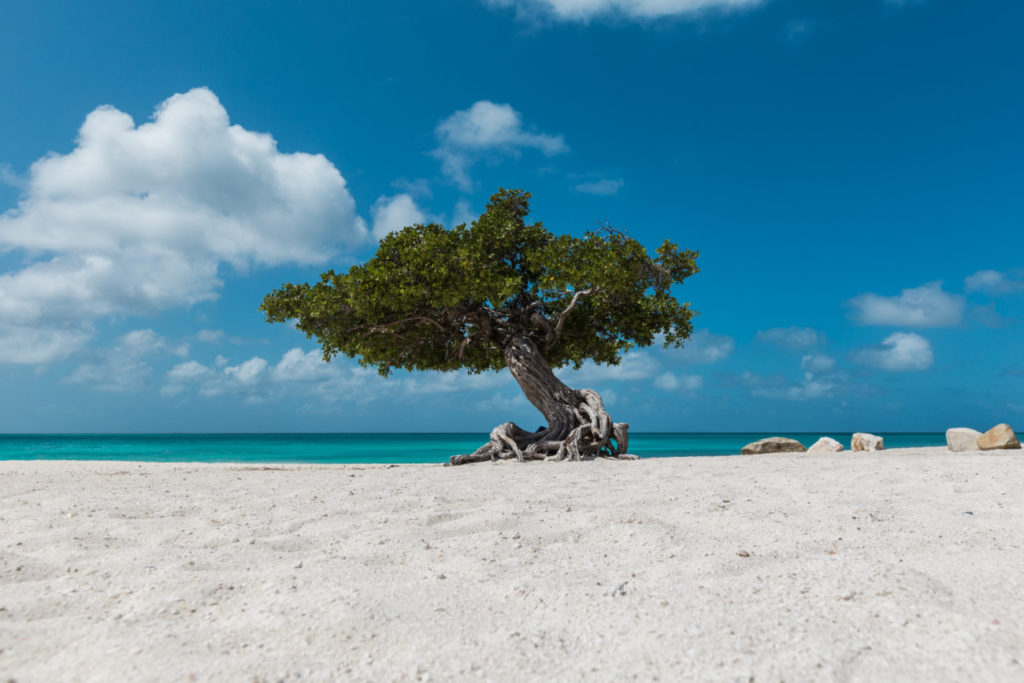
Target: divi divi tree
pixel 503 293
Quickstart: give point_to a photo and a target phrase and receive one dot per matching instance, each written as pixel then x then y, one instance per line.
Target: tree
pixel 502 293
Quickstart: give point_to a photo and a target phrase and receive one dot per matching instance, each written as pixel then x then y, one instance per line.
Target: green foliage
pixel 437 299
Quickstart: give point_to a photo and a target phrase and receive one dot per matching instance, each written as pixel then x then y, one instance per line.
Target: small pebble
pixel 743 553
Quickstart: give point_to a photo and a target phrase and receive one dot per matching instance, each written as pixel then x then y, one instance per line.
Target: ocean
pixel 362 448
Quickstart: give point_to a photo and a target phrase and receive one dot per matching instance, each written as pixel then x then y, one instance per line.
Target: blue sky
pixel 851 173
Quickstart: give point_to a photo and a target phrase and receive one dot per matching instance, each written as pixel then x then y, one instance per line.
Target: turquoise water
pixel 358 448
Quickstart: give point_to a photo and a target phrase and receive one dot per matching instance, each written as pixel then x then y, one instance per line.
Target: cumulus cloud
pixel 811 386
pixel 210 336
pixel 245 378
pixel 187 371
pixel 792 338
pixel 925 306
pixel 818 363
pixel 297 365
pixel 306 373
pixel 705 347
pixel 395 213
pixel 484 130
pixel 23 344
pixel 819 379
pixel 899 351
pixel 585 10
pixel 247 373
pixel 140 218
pixel 668 381
pixel 634 365
pixel 600 187
pixel 994 283
pixel 125 366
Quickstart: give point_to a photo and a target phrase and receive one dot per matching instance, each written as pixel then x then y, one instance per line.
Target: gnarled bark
pixel 578 425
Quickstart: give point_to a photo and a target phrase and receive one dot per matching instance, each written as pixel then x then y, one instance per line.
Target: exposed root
pixel 583 432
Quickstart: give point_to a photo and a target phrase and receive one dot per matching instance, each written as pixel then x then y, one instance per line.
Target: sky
pixel 851 172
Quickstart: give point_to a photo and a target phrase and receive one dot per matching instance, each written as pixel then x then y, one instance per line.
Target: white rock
pixel 866 442
pixel 825 445
pixel 960 439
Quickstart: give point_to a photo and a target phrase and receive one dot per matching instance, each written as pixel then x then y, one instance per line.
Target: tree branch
pixel 463 345
pixel 540 321
pixel 560 320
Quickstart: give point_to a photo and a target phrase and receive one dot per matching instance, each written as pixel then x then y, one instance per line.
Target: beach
pixel 905 564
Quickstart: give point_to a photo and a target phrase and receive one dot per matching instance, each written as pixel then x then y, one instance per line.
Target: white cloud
pixel 452 382
pixel 899 351
pixel 486 129
pixel 305 373
pixel 634 365
pixel 924 306
pixel 600 187
pixel 395 213
pixel 187 371
pixel 585 10
pixel 705 347
pixel 463 213
pixel 792 338
pixel 993 283
pixel 137 219
pixel 297 365
pixel 9 177
pixel 668 381
pixel 810 387
pixel 247 373
pixel 210 336
pixel 245 378
pixel 819 379
pixel 817 363
pixel 124 367
pixel 22 344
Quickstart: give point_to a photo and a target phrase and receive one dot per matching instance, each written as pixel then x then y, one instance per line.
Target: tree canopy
pixel 443 299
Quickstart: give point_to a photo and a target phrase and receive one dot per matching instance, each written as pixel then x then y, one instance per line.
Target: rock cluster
pixel 773 444
pixel 866 442
pixel 958 440
pixel 1000 437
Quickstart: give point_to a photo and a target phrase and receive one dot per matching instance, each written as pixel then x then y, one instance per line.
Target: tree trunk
pixel 578 426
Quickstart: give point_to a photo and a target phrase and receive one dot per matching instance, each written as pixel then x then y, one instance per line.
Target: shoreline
pixel 356 448
pixel 899 564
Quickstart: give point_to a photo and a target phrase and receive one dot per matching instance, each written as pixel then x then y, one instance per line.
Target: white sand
pixel 906 565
